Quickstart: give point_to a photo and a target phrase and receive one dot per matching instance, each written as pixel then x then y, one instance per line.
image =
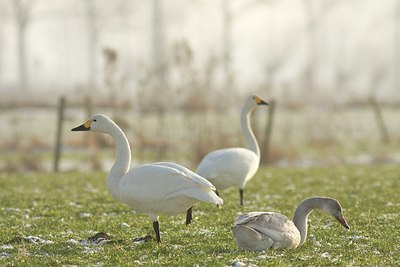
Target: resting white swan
pixel 262 230
pixel 234 166
pixel 158 188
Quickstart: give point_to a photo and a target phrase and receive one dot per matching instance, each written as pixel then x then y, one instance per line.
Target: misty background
pixel 329 50
pixel 331 66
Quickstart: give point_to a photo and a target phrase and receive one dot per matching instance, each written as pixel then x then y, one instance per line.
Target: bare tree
pixel 311 39
pixel 23 9
pixel 227 43
pixel 315 12
pixel 2 15
pixel 110 76
pixel 159 61
pixel 92 43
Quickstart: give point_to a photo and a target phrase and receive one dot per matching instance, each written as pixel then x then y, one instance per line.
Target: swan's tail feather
pixel 206 196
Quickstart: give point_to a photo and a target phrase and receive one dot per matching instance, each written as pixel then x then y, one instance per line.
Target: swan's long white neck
pixel 122 161
pixel 301 215
pixel 251 141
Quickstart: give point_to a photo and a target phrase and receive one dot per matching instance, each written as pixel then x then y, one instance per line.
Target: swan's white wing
pixel 185 172
pixel 197 182
pixel 269 225
pixel 228 167
pixel 158 188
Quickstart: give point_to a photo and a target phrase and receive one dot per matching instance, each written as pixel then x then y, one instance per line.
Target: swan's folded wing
pixel 249 239
pixel 247 218
pixel 273 225
pixel 186 173
pixel 171 181
pixel 161 188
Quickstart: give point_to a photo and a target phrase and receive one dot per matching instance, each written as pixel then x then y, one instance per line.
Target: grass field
pixel 64 209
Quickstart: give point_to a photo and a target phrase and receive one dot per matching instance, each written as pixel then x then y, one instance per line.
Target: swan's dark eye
pixel 94 120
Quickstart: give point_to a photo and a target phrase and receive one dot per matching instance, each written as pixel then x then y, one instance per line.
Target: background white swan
pixel 262 230
pixel 235 166
pixel 159 188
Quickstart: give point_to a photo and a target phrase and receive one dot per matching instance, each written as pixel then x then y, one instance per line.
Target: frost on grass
pixel 19 240
pixel 141 240
pixel 241 263
pixel 75 204
pixel 331 258
pixel 357 237
pixel 92 244
pixel 325 255
pixel 29 239
pixel 238 264
pixel 38 240
pixel 265 257
pixel 206 232
pixel 144 260
pixel 143 257
pixel 7 246
pixel 9 209
pixel 91 250
pixel 4 255
pixel 124 225
pixel 388 216
pixel 328 224
pixel 311 238
pixel 84 215
pixel 96 240
pixel 391 204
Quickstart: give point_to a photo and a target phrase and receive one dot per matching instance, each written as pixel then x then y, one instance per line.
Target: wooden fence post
pixel 268 129
pixel 379 121
pixel 57 148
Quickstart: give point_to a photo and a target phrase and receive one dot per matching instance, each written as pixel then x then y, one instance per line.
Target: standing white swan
pixel 263 230
pixel 158 188
pixel 235 166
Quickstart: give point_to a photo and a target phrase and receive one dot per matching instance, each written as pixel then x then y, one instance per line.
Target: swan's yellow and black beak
pixel 83 127
pixel 260 101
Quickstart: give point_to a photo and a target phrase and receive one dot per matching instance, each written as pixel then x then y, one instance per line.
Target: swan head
pixel 332 206
pixel 97 123
pixel 254 100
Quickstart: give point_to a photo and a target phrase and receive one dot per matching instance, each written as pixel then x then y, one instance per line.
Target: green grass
pixel 74 206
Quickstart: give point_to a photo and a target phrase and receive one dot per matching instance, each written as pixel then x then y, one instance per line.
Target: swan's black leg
pixel 241 196
pixel 189 216
pixel 156 227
